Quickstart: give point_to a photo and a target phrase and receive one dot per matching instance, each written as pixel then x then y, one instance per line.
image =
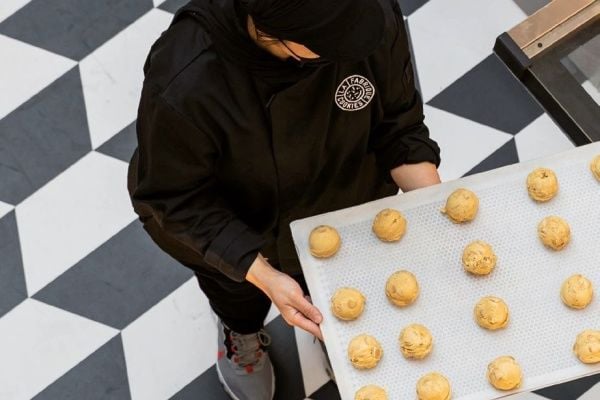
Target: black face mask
pixel 310 62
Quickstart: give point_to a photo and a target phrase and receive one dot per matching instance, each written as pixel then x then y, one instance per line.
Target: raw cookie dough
pixel 364 352
pixel 416 341
pixel 433 386
pixel 462 206
pixel 491 313
pixel 577 292
pixel 479 258
pixel 587 347
pixel 371 392
pixel 504 373
pixel 595 167
pixel 324 241
pixel 542 184
pixel 389 225
pixel 347 303
pixel 554 232
pixel 402 288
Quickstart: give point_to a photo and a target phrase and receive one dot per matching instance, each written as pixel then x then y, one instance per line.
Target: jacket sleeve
pixel 176 182
pixel 402 137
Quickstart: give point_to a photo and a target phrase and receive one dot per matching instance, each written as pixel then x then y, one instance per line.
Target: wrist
pixel 261 273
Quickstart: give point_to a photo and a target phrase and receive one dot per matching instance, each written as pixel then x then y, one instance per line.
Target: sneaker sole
pixel 230 392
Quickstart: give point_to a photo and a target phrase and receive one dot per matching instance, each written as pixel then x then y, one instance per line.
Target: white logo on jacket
pixel 354 93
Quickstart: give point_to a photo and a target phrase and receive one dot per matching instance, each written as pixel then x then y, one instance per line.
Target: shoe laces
pixel 248 349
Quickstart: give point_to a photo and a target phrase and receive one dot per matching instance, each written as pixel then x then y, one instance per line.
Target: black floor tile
pixel 569 390
pixel 206 386
pixel 286 362
pixel 172 5
pixel 410 6
pixel 119 281
pixel 121 145
pixel 102 375
pixel 531 6
pixel 72 28
pixel 43 137
pixel 329 391
pixel 12 278
pixel 491 95
pixel 505 155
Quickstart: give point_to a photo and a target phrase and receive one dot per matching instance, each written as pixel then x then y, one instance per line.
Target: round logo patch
pixel 354 93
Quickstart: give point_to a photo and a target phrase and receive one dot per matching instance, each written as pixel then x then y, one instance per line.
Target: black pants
pixel 241 306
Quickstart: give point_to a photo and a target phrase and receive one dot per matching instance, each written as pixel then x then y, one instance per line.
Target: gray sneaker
pixel 243 365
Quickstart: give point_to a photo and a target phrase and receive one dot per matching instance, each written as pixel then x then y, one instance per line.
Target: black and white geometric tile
pixel 90 308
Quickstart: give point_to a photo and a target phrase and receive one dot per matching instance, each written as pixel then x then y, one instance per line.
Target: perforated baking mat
pixel 528 277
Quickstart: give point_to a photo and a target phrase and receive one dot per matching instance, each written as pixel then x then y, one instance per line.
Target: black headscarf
pixel 326 27
pixel 339 30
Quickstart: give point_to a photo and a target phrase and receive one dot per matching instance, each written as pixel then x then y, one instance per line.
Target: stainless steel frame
pixel 533 49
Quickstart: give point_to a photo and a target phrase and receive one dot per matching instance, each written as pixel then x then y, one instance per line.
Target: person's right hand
pixel 287 296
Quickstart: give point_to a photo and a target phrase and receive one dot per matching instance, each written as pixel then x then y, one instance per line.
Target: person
pixel 255 113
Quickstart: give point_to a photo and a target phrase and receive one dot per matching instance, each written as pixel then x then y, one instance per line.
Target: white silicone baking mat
pixel 528 277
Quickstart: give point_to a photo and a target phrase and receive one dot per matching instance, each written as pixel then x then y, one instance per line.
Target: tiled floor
pixel 90 308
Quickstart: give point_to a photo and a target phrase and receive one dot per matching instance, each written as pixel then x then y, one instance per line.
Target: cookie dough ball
pixel 364 352
pixel 371 392
pixel 479 258
pixel 416 342
pixel 433 386
pixel 462 206
pixel 577 292
pixel 587 347
pixel 595 167
pixel 491 313
pixel 347 304
pixel 324 241
pixel 402 288
pixel 504 373
pixel 389 225
pixel 554 232
pixel 542 184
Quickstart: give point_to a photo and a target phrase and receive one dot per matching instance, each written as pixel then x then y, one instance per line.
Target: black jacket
pixel 224 163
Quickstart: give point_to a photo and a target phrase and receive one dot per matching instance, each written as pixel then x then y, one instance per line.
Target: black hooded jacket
pixel 226 160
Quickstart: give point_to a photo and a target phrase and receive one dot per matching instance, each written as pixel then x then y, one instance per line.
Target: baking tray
pixel 528 277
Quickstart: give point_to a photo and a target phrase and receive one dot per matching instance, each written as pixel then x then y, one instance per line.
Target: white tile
pixel 171 344
pixel 158 2
pixel 112 76
pixel 9 7
pixel 71 216
pixel 39 343
pixel 592 394
pixel 5 209
pixel 451 37
pixel 21 62
pixel 464 143
pixel 312 361
pixel 541 138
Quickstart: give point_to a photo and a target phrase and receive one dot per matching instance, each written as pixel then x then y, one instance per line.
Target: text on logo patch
pixel 354 93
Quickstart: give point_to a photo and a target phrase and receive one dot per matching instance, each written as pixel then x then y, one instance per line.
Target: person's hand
pixel 287 296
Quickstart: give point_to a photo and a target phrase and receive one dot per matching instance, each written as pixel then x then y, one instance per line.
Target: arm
pixel 176 184
pixel 287 295
pixel 401 141
pixel 414 176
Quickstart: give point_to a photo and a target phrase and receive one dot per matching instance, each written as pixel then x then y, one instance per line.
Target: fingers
pixel 305 307
pixel 302 322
